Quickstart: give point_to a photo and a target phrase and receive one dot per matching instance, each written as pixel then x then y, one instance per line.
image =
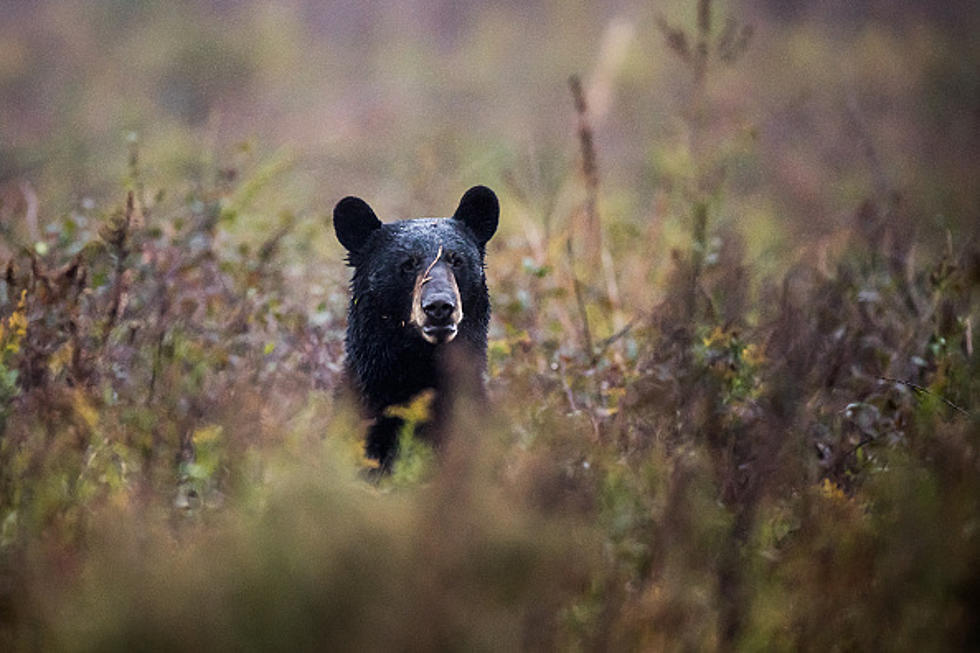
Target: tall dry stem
pixel 592 245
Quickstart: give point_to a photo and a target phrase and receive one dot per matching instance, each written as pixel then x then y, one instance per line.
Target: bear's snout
pixel 436 304
pixel 438 308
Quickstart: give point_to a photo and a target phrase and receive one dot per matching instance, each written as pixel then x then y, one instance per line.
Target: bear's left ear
pixel 354 222
pixel 480 211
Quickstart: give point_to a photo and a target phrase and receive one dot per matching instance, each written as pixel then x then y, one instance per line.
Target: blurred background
pixel 732 357
pixel 408 104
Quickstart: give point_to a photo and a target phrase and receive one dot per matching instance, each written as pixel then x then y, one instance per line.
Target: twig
pixel 30 210
pixel 269 247
pixel 608 342
pixel 842 458
pixel 704 32
pixel 425 275
pixel 116 235
pixel 569 395
pixel 161 335
pixel 590 168
pixel 969 337
pixel 921 390
pixel 597 256
pixel 136 175
pixel 580 301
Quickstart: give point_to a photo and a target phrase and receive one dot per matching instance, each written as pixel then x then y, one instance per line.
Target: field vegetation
pixel 733 378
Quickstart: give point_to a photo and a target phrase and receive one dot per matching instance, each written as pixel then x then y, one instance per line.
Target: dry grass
pixel 743 416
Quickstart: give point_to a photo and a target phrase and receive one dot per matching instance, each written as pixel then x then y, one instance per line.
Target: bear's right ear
pixel 354 222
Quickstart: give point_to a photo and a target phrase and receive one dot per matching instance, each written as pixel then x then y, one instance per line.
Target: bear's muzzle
pixel 437 307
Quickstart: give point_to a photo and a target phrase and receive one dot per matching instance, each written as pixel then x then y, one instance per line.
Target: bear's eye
pixel 454 259
pixel 410 265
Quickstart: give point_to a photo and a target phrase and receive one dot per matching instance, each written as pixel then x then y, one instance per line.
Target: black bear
pixel 418 297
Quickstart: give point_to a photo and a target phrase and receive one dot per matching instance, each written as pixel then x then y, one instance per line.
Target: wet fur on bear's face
pixel 418 286
pixel 404 260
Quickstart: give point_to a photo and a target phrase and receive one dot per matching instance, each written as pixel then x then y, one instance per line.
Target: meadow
pixel 733 378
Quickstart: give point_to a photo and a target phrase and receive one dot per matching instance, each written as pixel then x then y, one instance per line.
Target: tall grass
pixel 754 442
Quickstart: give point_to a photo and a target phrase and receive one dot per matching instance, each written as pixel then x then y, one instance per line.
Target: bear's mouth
pixel 439 334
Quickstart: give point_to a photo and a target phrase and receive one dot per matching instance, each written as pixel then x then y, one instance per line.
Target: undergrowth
pixel 746 457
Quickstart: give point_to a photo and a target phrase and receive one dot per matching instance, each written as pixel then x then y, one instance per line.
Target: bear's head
pixel 423 276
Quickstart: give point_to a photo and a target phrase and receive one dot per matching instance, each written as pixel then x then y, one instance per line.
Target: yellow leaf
pixel 14 328
pixel 717 337
pixel 418 409
pixel 832 491
pixel 207 434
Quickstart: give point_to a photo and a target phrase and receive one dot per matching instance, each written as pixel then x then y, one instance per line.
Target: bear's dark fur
pixel 418 296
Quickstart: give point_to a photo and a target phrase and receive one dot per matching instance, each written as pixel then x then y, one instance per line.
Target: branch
pixel 921 390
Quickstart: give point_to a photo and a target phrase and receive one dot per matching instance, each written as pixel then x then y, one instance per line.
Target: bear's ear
pixel 354 221
pixel 479 210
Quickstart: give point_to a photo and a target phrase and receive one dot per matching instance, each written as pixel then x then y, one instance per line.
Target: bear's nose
pixel 438 309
